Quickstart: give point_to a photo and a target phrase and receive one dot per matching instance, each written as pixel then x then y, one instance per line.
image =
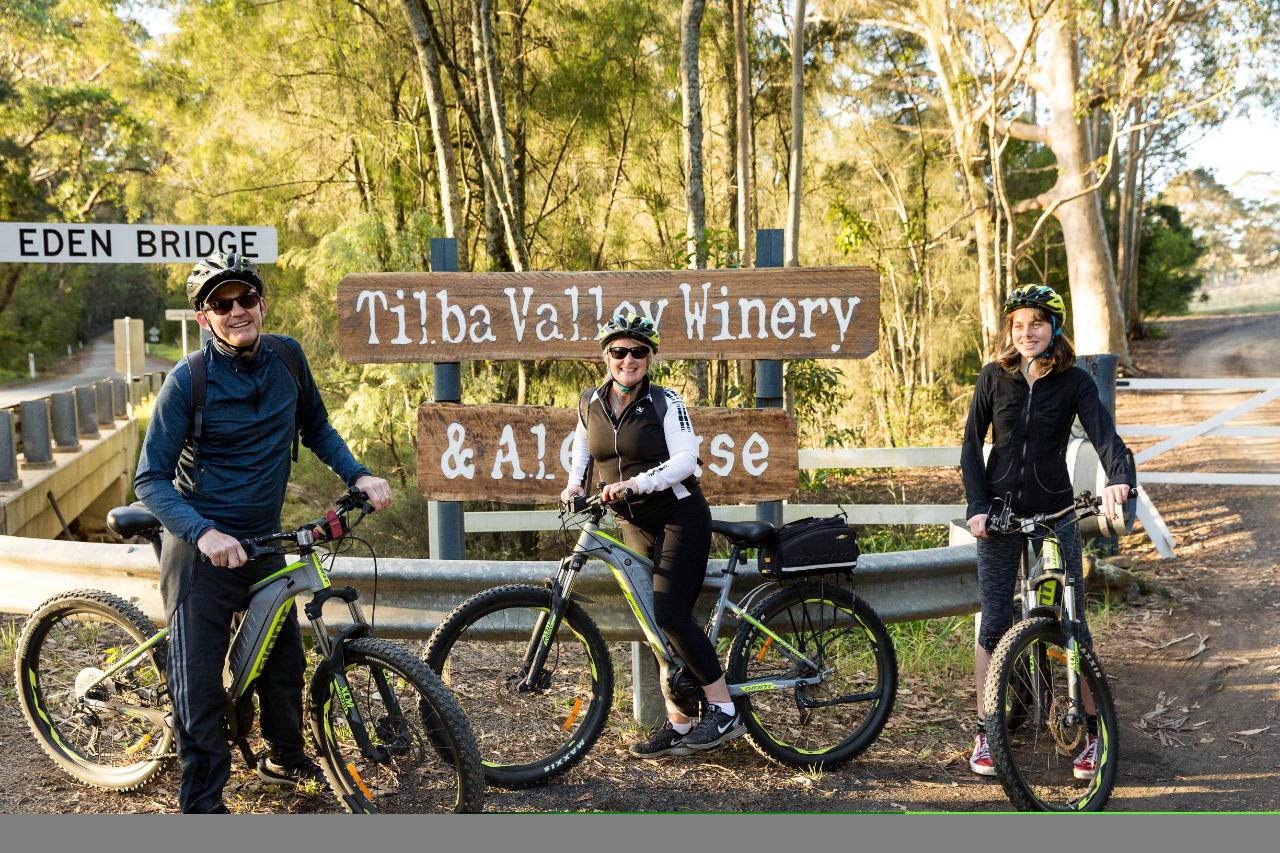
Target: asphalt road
pixel 96 362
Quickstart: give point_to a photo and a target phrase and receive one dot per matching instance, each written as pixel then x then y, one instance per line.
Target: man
pixel 225 485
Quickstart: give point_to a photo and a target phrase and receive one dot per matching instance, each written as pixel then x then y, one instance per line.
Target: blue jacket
pixel 244 457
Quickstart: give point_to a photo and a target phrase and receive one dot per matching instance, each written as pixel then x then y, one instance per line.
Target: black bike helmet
pixel 1039 296
pixel 220 268
pixel 629 325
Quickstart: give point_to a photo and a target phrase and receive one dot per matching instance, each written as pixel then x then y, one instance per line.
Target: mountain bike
pixel 811 667
pixel 92 672
pixel 1035 692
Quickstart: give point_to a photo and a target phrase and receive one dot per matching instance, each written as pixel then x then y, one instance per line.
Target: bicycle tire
pixel 65 640
pixel 838 631
pixel 526 738
pixel 1035 760
pixel 414 775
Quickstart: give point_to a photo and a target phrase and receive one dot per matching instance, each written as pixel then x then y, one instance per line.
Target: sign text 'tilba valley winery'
pixel 760 313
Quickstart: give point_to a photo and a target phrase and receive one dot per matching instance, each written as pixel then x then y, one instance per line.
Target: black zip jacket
pixel 1030 428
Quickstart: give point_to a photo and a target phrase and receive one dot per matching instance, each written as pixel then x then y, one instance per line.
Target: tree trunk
pixel 490 88
pixel 1099 325
pixel 742 125
pixel 691 100
pixel 791 240
pixel 446 158
pixel 695 197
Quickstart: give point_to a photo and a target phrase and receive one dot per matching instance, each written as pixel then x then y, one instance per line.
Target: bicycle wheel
pixel 426 758
pixel 526 737
pixel 1036 759
pixel 828 723
pixel 115 734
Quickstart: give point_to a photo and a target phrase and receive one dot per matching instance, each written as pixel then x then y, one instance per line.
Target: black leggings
pixel 679 544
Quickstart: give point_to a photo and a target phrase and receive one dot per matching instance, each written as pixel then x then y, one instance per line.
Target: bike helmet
pixel 629 325
pixel 1039 296
pixel 219 268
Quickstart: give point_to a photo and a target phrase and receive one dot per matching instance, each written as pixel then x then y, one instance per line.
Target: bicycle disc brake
pixel 1067 738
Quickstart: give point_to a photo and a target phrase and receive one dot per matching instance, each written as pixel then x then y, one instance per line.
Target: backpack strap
pixel 195 363
pixel 291 360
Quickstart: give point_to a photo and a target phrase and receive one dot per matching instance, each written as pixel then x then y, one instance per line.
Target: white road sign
pixel 71 243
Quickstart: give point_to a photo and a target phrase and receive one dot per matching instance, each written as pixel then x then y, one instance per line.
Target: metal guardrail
pixel 413 595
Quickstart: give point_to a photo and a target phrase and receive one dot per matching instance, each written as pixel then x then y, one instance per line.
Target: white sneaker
pixel 1087 761
pixel 980 762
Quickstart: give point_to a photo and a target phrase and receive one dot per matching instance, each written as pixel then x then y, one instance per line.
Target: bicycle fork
pixel 333 668
pixel 547 623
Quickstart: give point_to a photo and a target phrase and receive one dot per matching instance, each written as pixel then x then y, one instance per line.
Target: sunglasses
pixel 222 305
pixel 637 353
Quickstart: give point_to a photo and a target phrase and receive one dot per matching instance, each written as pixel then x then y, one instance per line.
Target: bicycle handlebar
pixel 1006 522
pixel 333 526
pixel 592 504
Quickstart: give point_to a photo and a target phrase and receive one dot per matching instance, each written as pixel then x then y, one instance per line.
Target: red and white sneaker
pixel 980 762
pixel 1087 760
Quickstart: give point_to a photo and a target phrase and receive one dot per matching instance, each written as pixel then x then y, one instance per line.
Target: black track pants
pixel 678 545
pixel 200 599
pixel 998 558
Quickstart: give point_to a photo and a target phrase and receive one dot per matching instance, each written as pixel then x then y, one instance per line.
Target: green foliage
pixel 1168 260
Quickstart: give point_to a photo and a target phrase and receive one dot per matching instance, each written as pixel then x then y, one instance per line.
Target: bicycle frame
pixel 632 571
pixel 1047 590
pixel 255 637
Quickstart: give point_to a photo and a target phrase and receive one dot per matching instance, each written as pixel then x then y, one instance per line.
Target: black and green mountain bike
pixel 91 670
pixel 811 667
pixel 1042 676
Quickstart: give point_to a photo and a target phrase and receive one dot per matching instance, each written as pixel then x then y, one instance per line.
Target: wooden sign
pixel 521 454
pixel 791 313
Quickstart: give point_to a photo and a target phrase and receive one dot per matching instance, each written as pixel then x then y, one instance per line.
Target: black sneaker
pixel 715 728
pixel 299 774
pixel 665 741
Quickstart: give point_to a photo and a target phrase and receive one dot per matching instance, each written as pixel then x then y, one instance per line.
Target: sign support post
pixel 445 518
pixel 769 394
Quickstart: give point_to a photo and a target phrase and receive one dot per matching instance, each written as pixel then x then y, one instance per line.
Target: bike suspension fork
pixel 548 622
pixel 1072 639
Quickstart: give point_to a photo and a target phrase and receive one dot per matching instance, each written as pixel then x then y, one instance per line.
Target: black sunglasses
pixel 248 301
pixel 635 352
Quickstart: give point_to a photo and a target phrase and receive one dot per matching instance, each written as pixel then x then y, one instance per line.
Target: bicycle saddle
pixel 759 533
pixel 129 521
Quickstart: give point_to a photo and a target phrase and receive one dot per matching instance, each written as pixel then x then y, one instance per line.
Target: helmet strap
pixel 232 349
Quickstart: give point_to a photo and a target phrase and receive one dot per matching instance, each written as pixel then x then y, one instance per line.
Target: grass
pixel 9 632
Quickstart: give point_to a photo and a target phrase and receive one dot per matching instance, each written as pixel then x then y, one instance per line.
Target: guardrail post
pixel 8 453
pixel 137 389
pixel 1102 368
pixel 446 534
pixel 87 411
pixel 102 403
pixel 119 398
pixel 65 439
pixel 769 383
pixel 36 449
pixel 647 703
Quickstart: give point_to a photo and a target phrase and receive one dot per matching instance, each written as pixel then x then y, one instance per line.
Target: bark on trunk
pixel 497 109
pixel 791 239
pixel 1099 325
pixel 742 124
pixel 437 112
pixel 691 100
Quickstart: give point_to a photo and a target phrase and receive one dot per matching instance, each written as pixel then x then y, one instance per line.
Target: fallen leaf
pixel 1215 623
pixel 1204 643
pixel 1252 732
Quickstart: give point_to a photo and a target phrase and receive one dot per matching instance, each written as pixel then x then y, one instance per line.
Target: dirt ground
pixel 1194 664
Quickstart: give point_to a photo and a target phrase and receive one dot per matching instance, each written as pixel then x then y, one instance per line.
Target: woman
pixel 648 458
pixel 1029 397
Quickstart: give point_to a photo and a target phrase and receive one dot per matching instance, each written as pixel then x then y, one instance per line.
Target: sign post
pixel 520 454
pixel 447 533
pixel 183 316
